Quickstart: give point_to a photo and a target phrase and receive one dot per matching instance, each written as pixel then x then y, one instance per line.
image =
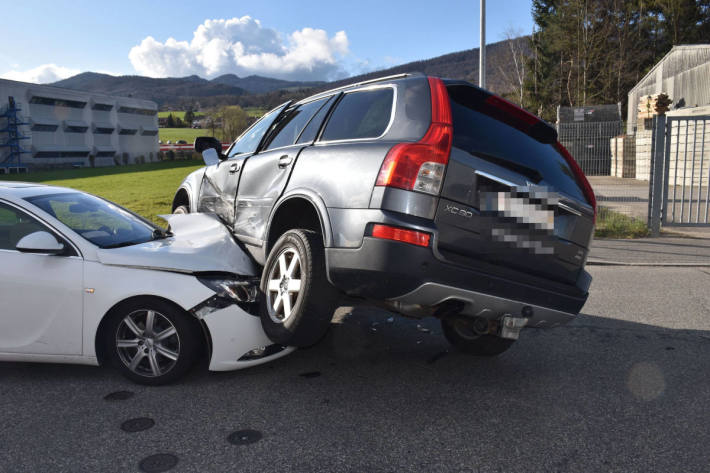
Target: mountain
pixel 230 89
pixel 260 84
pixel 459 65
pixel 162 91
pixel 169 91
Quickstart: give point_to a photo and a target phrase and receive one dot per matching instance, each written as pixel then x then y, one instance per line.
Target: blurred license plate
pixel 519 208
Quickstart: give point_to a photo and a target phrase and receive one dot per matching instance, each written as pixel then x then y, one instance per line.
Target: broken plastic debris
pixel 390 320
pixel 423 329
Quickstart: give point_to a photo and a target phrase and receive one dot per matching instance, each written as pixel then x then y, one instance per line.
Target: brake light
pixel 581 178
pixel 413 237
pixel 420 166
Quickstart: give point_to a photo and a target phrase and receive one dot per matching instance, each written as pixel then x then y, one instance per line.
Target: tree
pixel 170 121
pixel 514 69
pixel 189 117
pixel 234 121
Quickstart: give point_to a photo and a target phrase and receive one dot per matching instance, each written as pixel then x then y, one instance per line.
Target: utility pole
pixel 482 49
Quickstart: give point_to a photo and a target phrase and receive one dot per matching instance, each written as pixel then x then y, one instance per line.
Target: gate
pixel 679 194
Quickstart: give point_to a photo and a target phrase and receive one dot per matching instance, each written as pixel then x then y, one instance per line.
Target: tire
pixel 459 333
pixel 181 209
pixel 310 298
pixel 153 358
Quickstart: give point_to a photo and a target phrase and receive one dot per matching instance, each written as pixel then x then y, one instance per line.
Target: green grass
pixel 187 134
pixel 146 189
pixel 611 224
pixel 179 114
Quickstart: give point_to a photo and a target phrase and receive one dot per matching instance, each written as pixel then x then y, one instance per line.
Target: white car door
pixel 41 299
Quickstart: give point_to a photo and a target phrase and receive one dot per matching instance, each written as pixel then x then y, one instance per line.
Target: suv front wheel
pixel 298 300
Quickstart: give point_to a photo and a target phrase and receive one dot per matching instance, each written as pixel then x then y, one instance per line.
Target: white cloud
pixel 243 46
pixel 43 74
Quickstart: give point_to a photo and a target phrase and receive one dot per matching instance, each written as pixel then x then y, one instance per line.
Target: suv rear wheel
pixel 460 333
pixel 298 301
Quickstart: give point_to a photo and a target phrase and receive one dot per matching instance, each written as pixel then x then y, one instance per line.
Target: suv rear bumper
pixel 406 275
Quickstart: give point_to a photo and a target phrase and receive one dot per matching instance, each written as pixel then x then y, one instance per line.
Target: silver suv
pixel 430 197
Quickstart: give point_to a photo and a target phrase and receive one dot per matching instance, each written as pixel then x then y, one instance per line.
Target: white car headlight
pixel 228 291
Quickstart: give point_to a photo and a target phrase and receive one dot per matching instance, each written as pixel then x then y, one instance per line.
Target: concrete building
pixel 66 127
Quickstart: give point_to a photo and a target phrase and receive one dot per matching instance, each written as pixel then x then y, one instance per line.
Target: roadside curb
pixel 599 262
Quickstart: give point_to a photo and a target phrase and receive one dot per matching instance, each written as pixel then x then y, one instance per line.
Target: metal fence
pixel 686 171
pixel 619 180
pixel 589 143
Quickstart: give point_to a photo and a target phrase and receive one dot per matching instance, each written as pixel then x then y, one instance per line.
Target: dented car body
pixel 59 302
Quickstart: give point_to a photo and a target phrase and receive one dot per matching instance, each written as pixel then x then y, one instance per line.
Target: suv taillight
pixel 420 166
pixel 581 178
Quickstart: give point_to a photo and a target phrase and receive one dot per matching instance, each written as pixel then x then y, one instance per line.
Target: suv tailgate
pixel 509 196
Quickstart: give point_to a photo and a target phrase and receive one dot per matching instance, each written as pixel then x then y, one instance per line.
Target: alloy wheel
pixel 284 285
pixel 147 342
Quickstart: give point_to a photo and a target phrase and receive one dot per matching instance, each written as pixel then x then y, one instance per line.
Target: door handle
pixel 285 160
pixel 234 168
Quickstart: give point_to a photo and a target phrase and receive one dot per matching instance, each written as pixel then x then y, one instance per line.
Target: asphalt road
pixel 623 388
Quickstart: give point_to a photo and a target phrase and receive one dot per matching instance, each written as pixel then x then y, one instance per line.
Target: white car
pixel 83 280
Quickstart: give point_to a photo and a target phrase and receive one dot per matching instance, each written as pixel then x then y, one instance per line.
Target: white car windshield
pixel 102 223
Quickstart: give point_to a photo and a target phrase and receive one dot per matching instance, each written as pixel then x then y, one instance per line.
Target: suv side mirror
pixel 40 242
pixel 205 142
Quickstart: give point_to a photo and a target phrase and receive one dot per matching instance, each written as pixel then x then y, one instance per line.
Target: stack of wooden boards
pixel 650 105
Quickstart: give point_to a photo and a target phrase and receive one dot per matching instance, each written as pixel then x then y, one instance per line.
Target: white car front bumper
pixel 234 334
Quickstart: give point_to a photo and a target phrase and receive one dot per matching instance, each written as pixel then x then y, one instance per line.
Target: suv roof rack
pixel 365 82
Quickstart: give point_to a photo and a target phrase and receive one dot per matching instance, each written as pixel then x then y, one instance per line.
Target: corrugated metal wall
pixel 684 74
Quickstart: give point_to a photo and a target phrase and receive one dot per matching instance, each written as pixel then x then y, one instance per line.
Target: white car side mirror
pixel 210 156
pixel 40 242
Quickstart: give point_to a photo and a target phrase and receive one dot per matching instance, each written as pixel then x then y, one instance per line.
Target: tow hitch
pixel 510 326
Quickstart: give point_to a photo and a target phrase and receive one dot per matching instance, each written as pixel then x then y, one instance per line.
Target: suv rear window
pixel 507 146
pixel 359 115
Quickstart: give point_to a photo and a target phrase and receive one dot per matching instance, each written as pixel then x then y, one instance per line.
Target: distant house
pixel 683 74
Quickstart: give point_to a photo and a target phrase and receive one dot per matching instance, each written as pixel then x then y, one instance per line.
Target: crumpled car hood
pixel 200 243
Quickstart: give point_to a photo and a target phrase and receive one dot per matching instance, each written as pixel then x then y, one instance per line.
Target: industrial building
pixel 683 74
pixel 43 126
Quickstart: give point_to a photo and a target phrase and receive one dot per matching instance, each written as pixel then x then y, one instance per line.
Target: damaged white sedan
pixel 83 280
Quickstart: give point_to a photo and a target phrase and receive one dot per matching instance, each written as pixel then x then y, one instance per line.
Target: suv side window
pixel 15 225
pixel 311 130
pixel 287 129
pixel 250 139
pixel 360 114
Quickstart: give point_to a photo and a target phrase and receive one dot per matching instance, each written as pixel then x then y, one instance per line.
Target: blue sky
pixel 47 40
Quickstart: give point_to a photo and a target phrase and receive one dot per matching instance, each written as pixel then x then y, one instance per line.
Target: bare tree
pixel 514 69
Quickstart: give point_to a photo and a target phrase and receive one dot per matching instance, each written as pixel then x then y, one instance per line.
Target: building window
pixel 75 129
pixel 44 127
pixel 105 154
pixel 149 132
pixel 103 130
pixel 137 111
pixel 104 107
pixel 61 154
pixel 57 102
pixel 126 131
